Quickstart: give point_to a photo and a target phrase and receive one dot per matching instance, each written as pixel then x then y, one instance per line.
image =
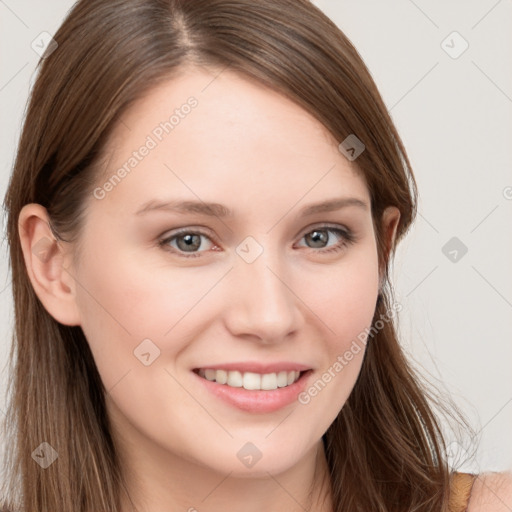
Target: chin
pixel 253 460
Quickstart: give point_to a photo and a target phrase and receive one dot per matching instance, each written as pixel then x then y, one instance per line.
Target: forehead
pixel 207 133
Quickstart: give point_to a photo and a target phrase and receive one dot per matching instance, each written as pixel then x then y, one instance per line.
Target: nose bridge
pixel 263 302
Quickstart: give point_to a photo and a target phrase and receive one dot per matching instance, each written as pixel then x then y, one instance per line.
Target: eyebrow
pixel 219 210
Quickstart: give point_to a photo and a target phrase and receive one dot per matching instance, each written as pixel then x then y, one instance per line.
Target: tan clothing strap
pixel 460 491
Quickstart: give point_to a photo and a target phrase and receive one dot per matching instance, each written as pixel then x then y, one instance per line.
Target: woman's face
pixel 272 286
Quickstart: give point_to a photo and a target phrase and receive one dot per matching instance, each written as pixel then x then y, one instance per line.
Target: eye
pixel 319 236
pixel 186 242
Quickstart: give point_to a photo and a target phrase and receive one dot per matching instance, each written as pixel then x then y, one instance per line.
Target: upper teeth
pixel 250 380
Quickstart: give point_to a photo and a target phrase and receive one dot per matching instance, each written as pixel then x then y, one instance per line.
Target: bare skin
pixel 491 492
pixel 304 299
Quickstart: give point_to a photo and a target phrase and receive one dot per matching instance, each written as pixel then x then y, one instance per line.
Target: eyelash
pixel 346 236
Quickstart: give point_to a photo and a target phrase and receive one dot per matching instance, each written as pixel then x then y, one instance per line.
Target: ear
pixel 389 221
pixel 47 262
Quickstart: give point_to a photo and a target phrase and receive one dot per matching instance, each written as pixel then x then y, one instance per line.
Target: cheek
pixel 124 302
pixel 346 305
pixel 345 296
pixel 345 302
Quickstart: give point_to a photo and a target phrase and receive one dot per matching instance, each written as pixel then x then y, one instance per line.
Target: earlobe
pixel 46 264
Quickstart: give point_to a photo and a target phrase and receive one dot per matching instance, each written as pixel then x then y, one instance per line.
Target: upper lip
pixel 252 366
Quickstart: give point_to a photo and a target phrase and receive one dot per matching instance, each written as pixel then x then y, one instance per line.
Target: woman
pixel 205 203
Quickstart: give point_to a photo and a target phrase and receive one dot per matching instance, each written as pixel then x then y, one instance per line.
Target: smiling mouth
pixel 251 380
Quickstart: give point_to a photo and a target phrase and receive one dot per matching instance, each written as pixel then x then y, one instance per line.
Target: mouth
pixel 252 392
pixel 251 381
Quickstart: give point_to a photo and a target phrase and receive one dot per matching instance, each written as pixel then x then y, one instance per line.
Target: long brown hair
pixel 385 449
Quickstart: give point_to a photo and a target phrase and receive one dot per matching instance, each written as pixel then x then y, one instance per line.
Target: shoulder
pixel 491 492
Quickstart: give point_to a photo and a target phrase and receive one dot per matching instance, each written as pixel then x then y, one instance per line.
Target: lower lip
pixel 257 401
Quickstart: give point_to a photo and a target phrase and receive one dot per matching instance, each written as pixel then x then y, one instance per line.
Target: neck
pixel 175 484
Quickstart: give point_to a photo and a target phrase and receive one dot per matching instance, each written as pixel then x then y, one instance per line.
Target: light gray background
pixel 455 117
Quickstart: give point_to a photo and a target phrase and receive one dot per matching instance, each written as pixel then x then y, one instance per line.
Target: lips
pixel 255 400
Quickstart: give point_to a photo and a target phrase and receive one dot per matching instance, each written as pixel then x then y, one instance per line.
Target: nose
pixel 262 302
